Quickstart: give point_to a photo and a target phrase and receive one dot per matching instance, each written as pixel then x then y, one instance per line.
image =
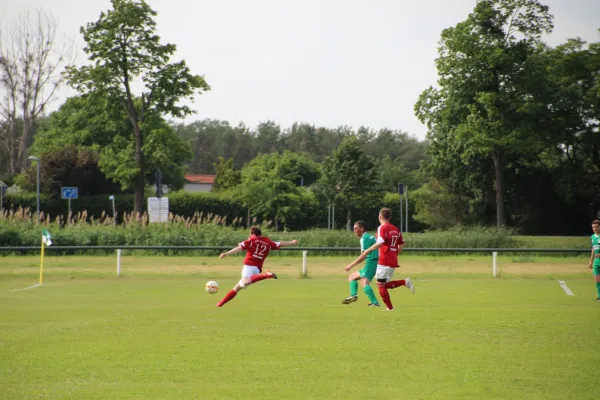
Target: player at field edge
pixel 257 249
pixel 389 244
pixel 595 256
pixel 367 273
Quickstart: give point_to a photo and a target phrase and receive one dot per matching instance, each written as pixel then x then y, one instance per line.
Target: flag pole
pixel 42 260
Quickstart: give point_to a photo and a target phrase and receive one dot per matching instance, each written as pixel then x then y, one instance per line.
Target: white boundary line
pixel 564 286
pixel 30 287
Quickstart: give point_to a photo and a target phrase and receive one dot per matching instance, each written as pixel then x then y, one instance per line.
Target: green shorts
pixel 596 269
pixel 368 271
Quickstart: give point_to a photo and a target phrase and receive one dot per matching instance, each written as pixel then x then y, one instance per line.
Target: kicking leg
pixel 233 292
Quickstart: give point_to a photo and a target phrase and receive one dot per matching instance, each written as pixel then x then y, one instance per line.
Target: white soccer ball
pixel 211 287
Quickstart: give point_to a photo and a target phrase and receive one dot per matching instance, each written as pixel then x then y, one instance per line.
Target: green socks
pixel 368 291
pixel 598 288
pixel 371 295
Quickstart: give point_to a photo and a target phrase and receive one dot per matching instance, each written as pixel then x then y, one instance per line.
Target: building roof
pixel 206 179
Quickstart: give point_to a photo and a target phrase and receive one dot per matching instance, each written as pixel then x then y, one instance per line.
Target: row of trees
pixel 513 133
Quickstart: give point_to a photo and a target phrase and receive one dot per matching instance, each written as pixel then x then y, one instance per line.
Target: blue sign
pixel 401 188
pixel 69 193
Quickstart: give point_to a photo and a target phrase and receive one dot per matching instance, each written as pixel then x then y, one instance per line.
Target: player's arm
pixel 363 255
pixel 290 243
pixel 591 259
pixel 232 251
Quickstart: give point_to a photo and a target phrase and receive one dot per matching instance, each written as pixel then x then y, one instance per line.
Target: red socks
pixel 395 284
pixel 259 277
pixel 385 296
pixel 230 295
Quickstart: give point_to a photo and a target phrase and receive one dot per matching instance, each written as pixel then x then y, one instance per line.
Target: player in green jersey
pixel 595 256
pixel 367 273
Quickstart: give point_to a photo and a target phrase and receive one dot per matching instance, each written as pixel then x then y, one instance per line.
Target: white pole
pixel 304 253
pixel 118 262
pixel 494 257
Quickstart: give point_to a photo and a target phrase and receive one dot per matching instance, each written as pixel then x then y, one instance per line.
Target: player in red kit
pixel 257 249
pixel 390 244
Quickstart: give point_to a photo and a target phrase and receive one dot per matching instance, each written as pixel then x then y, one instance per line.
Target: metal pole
pixel 114 212
pixel 333 216
pixel 1 197
pixel 69 200
pixel 401 219
pixel 38 190
pixel 406 209
pixel 329 217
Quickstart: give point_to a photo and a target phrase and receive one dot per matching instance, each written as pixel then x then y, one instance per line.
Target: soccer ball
pixel 211 287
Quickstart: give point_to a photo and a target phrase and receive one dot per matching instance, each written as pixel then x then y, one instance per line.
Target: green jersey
pixel 367 241
pixel 596 248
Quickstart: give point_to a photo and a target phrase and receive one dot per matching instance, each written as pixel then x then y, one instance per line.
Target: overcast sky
pixel 325 62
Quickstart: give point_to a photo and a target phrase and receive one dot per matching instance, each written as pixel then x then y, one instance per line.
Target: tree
pixel 226 176
pixel 487 103
pixel 438 207
pixel 271 184
pixel 349 177
pixel 69 166
pixel 93 122
pixel 31 65
pixel 125 52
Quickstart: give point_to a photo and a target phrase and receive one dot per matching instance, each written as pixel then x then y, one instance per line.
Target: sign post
pixel 69 193
pixel 158 209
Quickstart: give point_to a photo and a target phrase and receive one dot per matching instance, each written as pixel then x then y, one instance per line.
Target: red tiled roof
pixel 206 179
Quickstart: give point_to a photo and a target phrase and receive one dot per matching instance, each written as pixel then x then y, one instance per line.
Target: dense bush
pixel 21 230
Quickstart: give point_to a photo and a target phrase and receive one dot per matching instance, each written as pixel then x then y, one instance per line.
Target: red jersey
pixel 257 249
pixel 391 238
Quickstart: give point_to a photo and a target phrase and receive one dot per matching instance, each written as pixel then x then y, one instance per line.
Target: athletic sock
pixel 353 288
pixel 370 294
pixel 385 296
pixel 230 295
pixel 258 277
pixel 598 288
pixel 395 284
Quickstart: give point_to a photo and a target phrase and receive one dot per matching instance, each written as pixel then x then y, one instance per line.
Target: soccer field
pixel 154 333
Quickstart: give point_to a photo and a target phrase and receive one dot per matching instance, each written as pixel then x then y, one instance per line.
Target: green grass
pixel 155 334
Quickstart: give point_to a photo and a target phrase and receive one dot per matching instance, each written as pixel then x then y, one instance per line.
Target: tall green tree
pixel 124 51
pixel 486 105
pixel 271 185
pixel 349 178
pixel 226 176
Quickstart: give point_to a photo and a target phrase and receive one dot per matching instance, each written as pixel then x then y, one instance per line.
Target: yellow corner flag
pixel 46 241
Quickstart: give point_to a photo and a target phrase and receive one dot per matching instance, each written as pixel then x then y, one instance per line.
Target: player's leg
pixel 247 272
pixel 352 279
pixel 367 274
pixel 401 282
pixel 597 279
pixel 366 285
pixel 383 276
pixel 262 275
